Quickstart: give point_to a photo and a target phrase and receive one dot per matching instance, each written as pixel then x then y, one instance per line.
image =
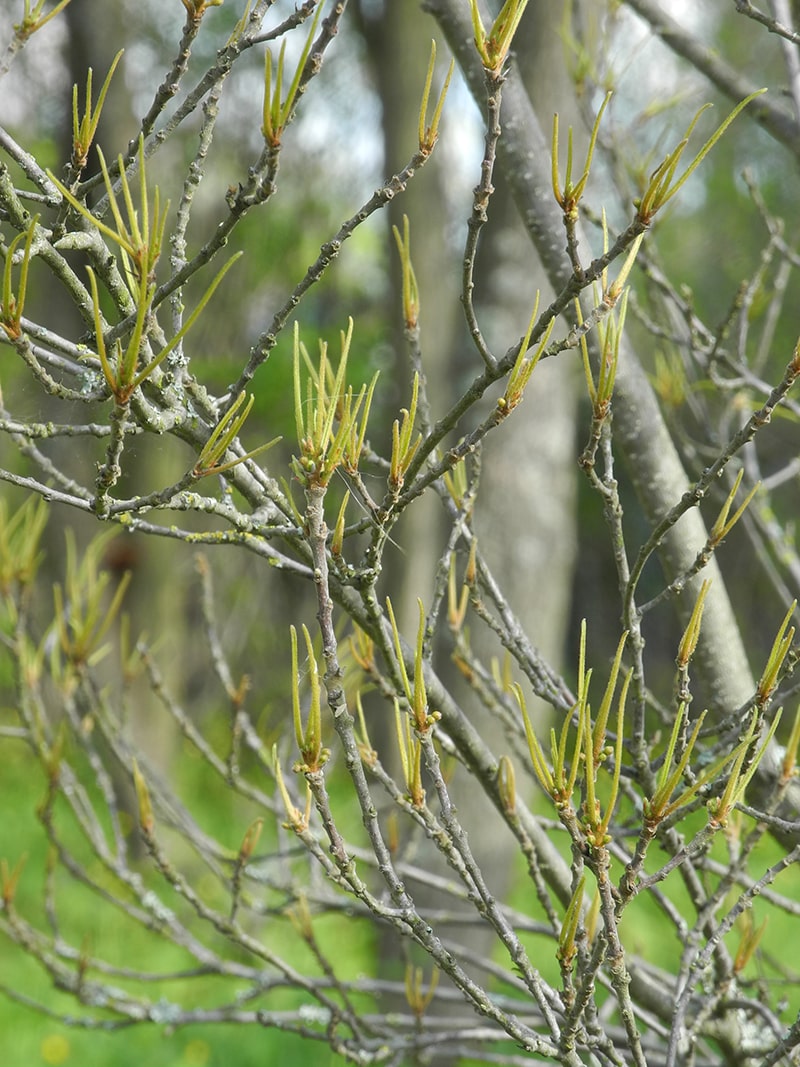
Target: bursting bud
pixel 146 820
pixel 506 785
pixel 250 840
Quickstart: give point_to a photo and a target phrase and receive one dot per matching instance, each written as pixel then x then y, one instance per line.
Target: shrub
pixel 239 853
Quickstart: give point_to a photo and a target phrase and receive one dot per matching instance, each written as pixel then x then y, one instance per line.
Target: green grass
pixel 32 1039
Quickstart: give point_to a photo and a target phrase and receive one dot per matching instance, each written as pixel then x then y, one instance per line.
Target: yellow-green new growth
pixel 663 185
pixel 778 652
pixel 493 46
pixel 456 602
pixel 224 433
pixel 82 618
pixel 354 444
pixel 13 305
pixel 276 112
pixel 691 635
pixel 595 827
pixel 429 132
pixel 84 128
pixel 338 530
pixel 33 19
pixel 403 448
pixel 299 916
pixel 557 783
pixel 789 768
pixel 365 749
pixel 610 329
pixel 141 236
pixel 659 806
pixel 19 543
pixel 611 293
pixel 416 695
pixel 599 734
pixel 410 288
pixel 525 363
pixel 569 197
pixel 594 741
pixel 9 879
pixel 197 8
pixel 739 778
pixel 323 448
pixel 566 951
pixel 250 840
pixel 558 779
pixel 121 376
pixel 410 750
pixel 296 820
pixel 309 739
pixel 417 1000
pixel 507 784
pixel 243 857
pixel 146 818
pixel 749 942
pixel 723 526
pixel 455 479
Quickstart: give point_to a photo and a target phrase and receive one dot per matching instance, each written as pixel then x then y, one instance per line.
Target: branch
pixel 774 118
pixel 652 459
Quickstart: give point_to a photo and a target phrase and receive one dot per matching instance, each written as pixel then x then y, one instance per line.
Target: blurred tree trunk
pixel 529 468
pixel 526 502
pixel 399 30
pixel 645 441
pixel 157 593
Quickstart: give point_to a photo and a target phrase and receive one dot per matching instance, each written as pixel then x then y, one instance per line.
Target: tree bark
pixel 655 467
